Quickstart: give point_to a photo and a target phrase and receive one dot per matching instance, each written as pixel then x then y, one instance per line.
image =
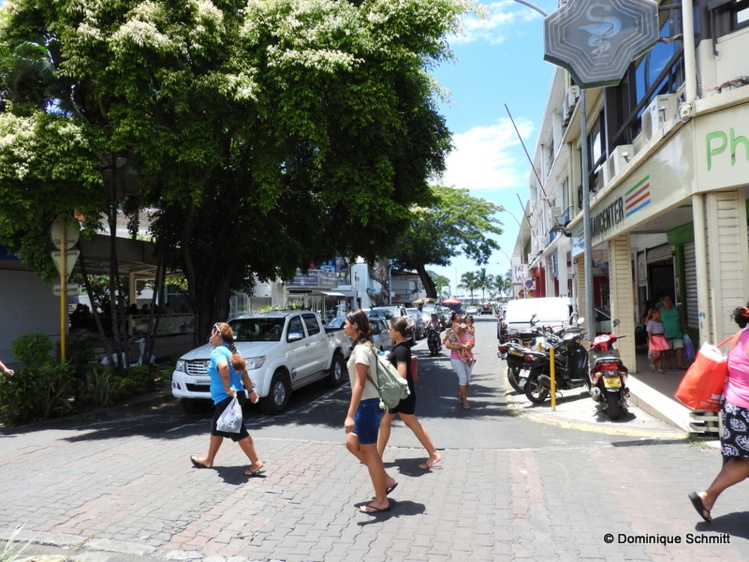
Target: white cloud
pixel 486 157
pixel 494 22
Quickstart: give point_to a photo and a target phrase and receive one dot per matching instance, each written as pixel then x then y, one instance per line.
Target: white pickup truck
pixel 284 351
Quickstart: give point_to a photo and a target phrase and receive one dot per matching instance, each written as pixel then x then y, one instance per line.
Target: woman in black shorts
pixel 401 332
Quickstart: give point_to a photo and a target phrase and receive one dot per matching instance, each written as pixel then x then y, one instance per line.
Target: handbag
pixel 230 419
pixel 391 386
pixel 701 388
pixel 414 367
pixel 688 348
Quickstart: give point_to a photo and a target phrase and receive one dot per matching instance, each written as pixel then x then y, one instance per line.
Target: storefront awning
pixel 332 294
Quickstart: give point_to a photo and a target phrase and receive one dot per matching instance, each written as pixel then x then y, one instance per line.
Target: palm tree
pixel 484 281
pixel 469 281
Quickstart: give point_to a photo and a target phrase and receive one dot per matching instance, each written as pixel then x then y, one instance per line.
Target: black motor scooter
pixel 519 359
pixel 433 340
pixel 570 365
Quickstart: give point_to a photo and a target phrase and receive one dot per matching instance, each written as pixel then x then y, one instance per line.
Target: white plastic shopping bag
pixel 230 420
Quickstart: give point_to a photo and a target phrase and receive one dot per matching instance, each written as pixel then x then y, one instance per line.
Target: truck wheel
pixel 278 399
pixel 337 371
pixel 191 406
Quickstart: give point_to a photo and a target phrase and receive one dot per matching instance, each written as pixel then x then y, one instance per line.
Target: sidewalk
pixel 654 393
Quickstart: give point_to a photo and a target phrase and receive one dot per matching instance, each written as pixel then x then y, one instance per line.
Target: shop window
pixel 659 71
pixel 740 14
pixel 728 16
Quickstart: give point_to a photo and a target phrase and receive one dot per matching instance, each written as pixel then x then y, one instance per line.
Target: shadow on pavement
pixel 397 509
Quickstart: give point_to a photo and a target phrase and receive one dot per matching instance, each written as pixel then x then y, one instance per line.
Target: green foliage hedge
pixel 47 388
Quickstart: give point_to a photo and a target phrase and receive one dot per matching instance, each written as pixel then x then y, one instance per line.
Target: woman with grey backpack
pixel 364 413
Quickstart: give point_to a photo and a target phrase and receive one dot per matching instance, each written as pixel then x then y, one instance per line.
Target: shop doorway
pixel 661 280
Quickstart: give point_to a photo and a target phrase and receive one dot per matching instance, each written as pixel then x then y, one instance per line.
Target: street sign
pixel 70 289
pixel 530 284
pixel 519 273
pixel 72 233
pixel 71 256
pixel 595 40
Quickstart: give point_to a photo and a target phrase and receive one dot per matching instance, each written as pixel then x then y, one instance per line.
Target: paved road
pixel 517 483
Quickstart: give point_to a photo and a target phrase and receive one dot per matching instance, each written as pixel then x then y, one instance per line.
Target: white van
pixel 549 311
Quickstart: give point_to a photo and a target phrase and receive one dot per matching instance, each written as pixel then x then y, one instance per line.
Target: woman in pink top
pixel 456 340
pixel 734 444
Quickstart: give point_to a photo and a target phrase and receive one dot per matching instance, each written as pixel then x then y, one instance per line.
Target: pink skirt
pixel 658 343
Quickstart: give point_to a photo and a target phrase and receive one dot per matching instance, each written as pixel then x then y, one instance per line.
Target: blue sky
pixel 499 62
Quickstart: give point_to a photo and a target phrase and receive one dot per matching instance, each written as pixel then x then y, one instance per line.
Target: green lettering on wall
pixel 735 141
pixel 720 135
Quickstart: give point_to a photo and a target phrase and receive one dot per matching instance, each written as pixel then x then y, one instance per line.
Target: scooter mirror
pixel 581 321
pixel 616 322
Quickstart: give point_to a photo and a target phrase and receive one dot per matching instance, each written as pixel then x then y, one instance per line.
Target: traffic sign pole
pixel 63 293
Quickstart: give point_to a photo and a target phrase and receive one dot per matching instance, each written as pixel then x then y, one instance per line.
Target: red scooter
pixel 608 375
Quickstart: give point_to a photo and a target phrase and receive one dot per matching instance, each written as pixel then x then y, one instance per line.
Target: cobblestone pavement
pixel 510 488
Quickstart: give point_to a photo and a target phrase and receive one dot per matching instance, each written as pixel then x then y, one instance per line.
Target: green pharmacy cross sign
pixel 595 40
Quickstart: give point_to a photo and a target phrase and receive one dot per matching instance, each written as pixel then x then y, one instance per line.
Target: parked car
pixel 381 333
pixel 335 322
pixel 445 314
pixel 472 311
pixel 420 327
pixel 284 351
pixel 387 312
pixel 486 308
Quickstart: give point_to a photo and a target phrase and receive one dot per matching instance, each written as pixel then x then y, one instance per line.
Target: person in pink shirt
pixel 734 443
pixel 456 340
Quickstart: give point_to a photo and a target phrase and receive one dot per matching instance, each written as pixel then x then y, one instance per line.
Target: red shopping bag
pixel 702 385
pixel 415 367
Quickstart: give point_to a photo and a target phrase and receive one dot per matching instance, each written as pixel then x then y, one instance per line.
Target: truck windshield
pixel 257 329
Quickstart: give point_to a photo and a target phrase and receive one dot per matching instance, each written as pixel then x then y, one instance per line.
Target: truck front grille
pixel 197 368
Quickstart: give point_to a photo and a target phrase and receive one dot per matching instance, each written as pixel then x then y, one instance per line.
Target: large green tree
pixel 451 224
pixel 268 133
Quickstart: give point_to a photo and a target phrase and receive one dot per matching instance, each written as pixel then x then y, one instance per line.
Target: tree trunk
pixel 380 272
pixel 426 280
pixel 94 308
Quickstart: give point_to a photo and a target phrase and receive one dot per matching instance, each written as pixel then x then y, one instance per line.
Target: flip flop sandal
pixel 197 464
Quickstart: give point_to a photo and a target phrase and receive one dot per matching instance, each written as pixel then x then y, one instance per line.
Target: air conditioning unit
pixel 619 158
pixel 555 216
pixel 660 116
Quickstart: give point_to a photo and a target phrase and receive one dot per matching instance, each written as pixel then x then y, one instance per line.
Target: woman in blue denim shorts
pixel 364 413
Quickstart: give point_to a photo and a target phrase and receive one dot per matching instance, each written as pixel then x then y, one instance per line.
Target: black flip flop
pixel 391 488
pixel 700 507
pixel 375 510
pixel 254 473
pixel 197 464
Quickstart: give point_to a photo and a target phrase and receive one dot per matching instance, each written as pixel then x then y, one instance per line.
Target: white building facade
pixel 668 153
